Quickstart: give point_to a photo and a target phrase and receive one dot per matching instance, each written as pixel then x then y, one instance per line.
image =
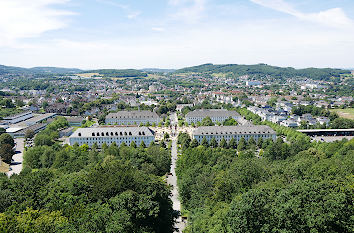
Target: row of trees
pixel 308 189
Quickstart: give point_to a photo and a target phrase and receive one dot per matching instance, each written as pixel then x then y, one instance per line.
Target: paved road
pixel 17 159
pixel 172 179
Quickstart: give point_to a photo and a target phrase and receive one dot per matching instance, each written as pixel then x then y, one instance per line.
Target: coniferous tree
pixel 233 143
pixel 204 142
pixel 242 144
pixel 194 143
pixel 223 143
pixel 213 143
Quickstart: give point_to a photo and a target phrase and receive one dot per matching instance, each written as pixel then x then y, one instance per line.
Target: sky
pixel 91 34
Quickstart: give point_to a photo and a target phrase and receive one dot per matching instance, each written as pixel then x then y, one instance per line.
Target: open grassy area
pixel 345 113
pixel 4 167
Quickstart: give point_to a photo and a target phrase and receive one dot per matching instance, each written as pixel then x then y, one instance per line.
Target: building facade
pixel 108 135
pixel 216 115
pixel 236 132
pixel 132 118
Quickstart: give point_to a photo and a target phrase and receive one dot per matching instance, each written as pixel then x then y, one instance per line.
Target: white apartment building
pixel 216 115
pixel 132 118
pixel 236 132
pixel 108 135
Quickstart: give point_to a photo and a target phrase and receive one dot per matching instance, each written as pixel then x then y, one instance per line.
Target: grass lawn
pixel 4 167
pixel 345 113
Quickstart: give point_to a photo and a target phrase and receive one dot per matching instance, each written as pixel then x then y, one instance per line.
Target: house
pixel 323 120
pixel 289 123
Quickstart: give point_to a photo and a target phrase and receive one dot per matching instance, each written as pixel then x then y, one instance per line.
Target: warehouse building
pixel 132 118
pixel 108 135
pixel 236 132
pixel 216 115
pixel 18 117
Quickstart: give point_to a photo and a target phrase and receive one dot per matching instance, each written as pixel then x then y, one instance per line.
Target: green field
pixel 4 167
pixel 345 113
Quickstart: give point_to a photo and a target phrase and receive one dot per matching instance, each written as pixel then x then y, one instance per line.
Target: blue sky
pixel 176 33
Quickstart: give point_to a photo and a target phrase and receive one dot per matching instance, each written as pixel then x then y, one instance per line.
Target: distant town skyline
pixel 94 34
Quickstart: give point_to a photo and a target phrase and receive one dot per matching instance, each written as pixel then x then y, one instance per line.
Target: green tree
pixel 142 144
pixel 204 142
pixel 7 139
pixel 194 143
pixel 233 143
pixel 29 134
pixel 242 144
pixel 207 122
pixel 6 153
pixel 213 143
pixel 223 143
pixel 133 144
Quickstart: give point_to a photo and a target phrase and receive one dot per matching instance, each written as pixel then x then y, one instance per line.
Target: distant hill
pixel 55 70
pixel 157 70
pixel 119 73
pixel 36 70
pixel 262 70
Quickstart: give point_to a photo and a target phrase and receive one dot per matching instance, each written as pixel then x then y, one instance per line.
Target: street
pixel 17 159
pixel 172 179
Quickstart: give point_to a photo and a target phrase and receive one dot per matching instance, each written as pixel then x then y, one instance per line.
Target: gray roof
pixel 212 113
pixel 217 130
pixel 132 114
pixel 17 115
pixel 113 132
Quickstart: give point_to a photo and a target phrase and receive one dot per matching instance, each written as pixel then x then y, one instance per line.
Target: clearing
pixel 345 113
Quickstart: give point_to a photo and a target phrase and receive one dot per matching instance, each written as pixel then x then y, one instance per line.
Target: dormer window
pixel 130 133
pixel 111 133
pixel 143 133
pixel 93 134
pixel 139 133
pixel 102 134
pixel 120 133
pixel 107 134
pixel 125 133
pixel 116 133
pixel 79 134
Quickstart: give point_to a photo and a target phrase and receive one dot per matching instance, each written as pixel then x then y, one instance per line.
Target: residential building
pixel 132 118
pixel 289 123
pixel 236 132
pixel 216 115
pixel 109 135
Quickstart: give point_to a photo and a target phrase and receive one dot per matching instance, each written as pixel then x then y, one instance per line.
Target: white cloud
pixel 190 11
pixel 24 19
pixel 133 15
pixel 158 29
pixel 334 17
